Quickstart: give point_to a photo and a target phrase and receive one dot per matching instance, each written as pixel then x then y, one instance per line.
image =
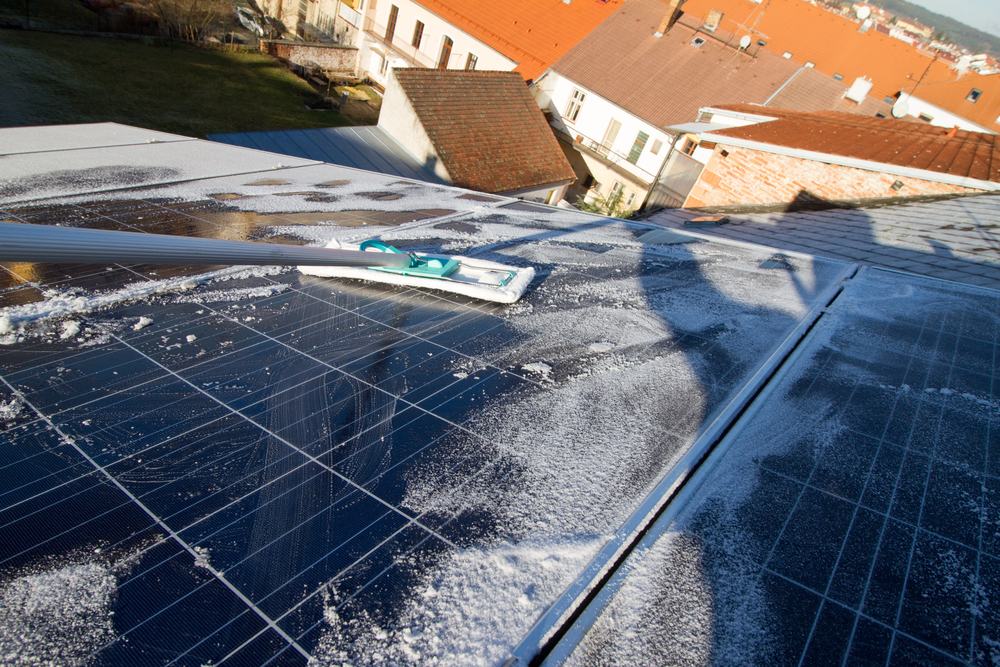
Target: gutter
pixel 867 165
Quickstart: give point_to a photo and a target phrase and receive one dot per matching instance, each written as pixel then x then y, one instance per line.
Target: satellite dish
pixel 864 12
pixel 900 109
pixel 745 41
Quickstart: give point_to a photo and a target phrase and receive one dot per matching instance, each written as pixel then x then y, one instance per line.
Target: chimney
pixel 713 20
pixel 673 13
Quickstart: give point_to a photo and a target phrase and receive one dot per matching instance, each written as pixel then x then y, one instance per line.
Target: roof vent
pixel 859 90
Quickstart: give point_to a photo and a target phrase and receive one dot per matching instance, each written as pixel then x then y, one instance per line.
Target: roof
pixel 952 95
pixel 239 465
pixel 486 128
pixel 812 90
pixel 367 147
pixel 833 42
pixel 974 155
pixel 533 33
pixel 665 80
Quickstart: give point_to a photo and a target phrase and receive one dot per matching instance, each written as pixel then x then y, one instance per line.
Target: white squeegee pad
pixel 508 293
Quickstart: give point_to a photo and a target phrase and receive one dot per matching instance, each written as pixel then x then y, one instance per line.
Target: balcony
pixel 397 46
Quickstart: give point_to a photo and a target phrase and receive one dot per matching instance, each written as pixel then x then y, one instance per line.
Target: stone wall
pixel 745 176
pixel 334 59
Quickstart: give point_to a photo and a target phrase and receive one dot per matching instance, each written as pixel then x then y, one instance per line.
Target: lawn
pixel 56 79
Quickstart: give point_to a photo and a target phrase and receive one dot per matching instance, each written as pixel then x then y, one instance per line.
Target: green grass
pixel 58 79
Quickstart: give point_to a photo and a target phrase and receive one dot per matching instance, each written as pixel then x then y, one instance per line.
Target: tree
pixel 189 19
pixel 612 206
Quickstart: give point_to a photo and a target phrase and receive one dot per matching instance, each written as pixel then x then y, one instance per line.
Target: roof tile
pixel 887 140
pixel 486 128
pixel 534 33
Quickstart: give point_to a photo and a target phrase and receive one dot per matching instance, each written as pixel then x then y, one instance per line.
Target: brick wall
pixel 333 58
pixel 748 176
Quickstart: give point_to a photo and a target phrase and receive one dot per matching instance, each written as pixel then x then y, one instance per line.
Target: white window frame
pixel 576 100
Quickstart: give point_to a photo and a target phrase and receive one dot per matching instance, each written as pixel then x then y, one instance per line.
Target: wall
pixel 400 122
pixel 435 29
pixel 553 92
pixel 748 176
pixel 942 118
pixel 333 58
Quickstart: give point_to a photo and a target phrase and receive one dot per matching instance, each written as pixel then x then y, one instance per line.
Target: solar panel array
pixel 260 467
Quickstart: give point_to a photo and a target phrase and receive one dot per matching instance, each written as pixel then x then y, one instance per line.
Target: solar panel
pixel 850 518
pixel 258 467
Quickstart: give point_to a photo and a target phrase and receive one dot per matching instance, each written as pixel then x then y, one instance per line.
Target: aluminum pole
pixel 20 242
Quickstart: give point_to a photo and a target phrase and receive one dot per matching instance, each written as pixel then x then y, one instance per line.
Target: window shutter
pixel 640 143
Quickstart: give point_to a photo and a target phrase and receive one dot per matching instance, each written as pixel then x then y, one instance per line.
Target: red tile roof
pixel 886 140
pixel 832 42
pixel 486 127
pixel 952 95
pixel 814 91
pixel 664 80
pixel 534 33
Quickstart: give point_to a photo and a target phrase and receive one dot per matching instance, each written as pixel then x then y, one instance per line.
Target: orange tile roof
pixel 951 95
pixel 486 128
pixel 534 33
pixel 832 42
pixel 885 140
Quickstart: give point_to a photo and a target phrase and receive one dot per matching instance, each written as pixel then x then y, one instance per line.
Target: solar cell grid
pixel 269 466
pixel 863 528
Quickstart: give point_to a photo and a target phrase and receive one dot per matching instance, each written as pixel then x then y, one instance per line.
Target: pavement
pixel 956 239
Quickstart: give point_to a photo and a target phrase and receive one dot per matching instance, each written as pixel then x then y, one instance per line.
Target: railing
pixel 406 51
pixel 583 142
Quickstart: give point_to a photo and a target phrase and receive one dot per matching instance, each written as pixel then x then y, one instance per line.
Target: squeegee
pixel 372 260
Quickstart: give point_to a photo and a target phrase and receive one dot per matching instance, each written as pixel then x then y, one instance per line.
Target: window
pixel 445 52
pixel 838 77
pixel 889 100
pixel 616 188
pixel 810 63
pixel 575 102
pixel 609 136
pixel 418 34
pixel 630 199
pixel 786 54
pixel 689 146
pixel 390 29
pixel 657 145
pixel 383 66
pixel 697 41
pixel 924 117
pixel 637 146
pixel 974 95
pixel 470 62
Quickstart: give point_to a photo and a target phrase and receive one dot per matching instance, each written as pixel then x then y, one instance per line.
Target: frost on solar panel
pixel 851 516
pixel 211 465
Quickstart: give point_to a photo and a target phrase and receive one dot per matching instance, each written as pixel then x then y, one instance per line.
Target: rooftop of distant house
pixel 834 43
pixel 972 96
pixel 665 80
pixel 486 128
pixel 535 33
pixel 973 155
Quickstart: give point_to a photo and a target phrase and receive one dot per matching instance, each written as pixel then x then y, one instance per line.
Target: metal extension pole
pixel 21 242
